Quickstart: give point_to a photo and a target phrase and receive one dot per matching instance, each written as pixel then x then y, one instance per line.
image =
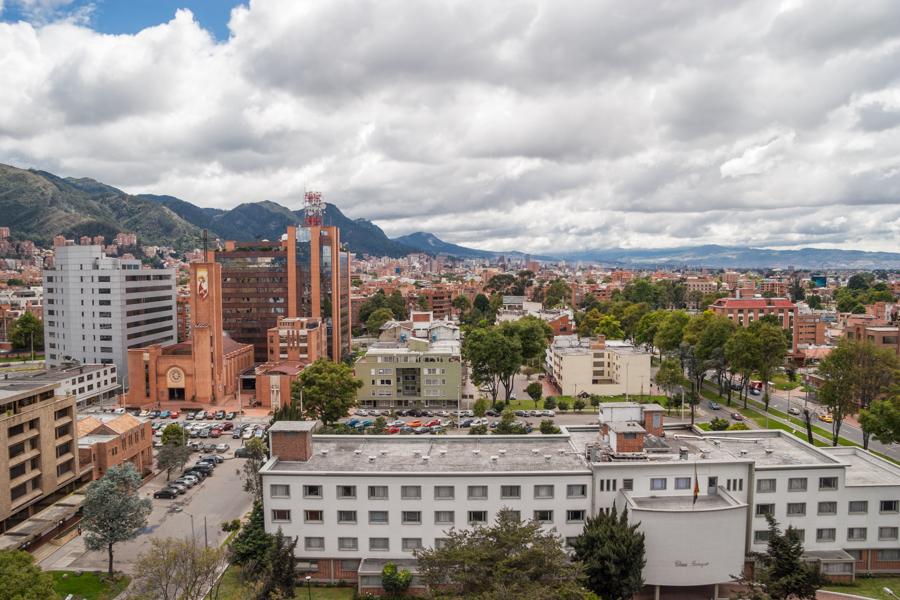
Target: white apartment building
pixel 597 366
pixel 97 307
pixel 90 384
pixel 356 501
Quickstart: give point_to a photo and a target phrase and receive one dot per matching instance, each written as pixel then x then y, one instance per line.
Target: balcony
pixel 27 455
pixel 25 435
pixel 28 476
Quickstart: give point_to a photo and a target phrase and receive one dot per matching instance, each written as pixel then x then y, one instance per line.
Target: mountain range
pixel 37 205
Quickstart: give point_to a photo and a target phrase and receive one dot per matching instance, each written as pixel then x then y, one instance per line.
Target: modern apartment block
pixel 38 435
pixel 306 274
pixel 91 385
pixel 597 366
pixel 97 307
pixel 415 363
pixel 356 501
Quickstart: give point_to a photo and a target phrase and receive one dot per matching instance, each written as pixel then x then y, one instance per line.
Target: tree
pixel 397 304
pixel 609 327
pixel 507 559
pixel 535 390
pixel 395 581
pixel 578 404
pixel 612 552
pixel 669 375
pixel 772 348
pixel 250 546
pixel 558 293
pixel 783 573
pixel 814 301
pixel 548 427
pixel 494 358
pixel 172 457
pixel 173 433
pixel 549 403
pixel 480 407
pixel 328 388
pixel 478 430
pixel 25 330
pixel 646 328
pixel 562 404
pixel 882 420
pixel 742 353
pixel 279 574
pixel 378 318
pixel 256 458
pixel 379 426
pixel 718 424
pixel 508 425
pixel 837 389
pixel 533 335
pixel 461 304
pixel 21 579
pixel 876 371
pixel 670 331
pixel 112 511
pixel 176 569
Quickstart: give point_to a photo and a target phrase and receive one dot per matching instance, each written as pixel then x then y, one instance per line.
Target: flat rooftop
pixel 57 374
pixel 15 388
pixel 446 454
pixel 865 468
pixel 683 502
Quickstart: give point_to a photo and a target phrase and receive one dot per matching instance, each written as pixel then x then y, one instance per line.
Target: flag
pixel 696 485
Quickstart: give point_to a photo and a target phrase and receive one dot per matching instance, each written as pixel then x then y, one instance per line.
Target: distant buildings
pixel 597 366
pixel 292 345
pixel 97 308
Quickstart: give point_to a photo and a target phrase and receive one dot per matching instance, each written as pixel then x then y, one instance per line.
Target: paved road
pixel 218 498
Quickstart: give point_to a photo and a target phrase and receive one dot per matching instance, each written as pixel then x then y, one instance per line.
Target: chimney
pixel 292 440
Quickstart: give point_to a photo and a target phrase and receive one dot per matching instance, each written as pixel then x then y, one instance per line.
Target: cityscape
pixel 277 322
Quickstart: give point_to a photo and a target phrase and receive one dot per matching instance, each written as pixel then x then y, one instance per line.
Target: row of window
pixel 829 534
pixel 795 484
pixel 441 492
pixel 854 507
pixel 414 517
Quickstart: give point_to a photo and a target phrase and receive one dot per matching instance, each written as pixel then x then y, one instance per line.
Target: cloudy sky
pixel 532 125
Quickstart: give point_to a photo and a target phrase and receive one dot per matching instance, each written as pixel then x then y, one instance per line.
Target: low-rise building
pixel 597 366
pixel 90 384
pixel 106 441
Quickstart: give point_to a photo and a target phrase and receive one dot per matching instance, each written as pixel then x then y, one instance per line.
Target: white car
pixel 144 413
pixel 248 433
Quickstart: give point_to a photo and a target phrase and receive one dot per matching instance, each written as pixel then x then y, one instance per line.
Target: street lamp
pixel 308 588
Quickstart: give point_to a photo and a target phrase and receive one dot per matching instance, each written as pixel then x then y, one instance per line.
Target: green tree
pixel 278 575
pixel 478 430
pixel 718 424
pixel 256 458
pixel 250 546
pixel 587 322
pixel 670 331
pixel 646 328
pixel 742 353
pixel 509 559
pixel 113 511
pixel 613 554
pixel 533 335
pixel 558 293
pixel 461 304
pixel 882 420
pixel 397 303
pixel 328 390
pixel 177 569
pixel 772 349
pixel 578 404
pixel 480 407
pixel 876 372
pixel 172 457
pixel 508 425
pixel 173 433
pixel 562 404
pixel 610 327
pixel 783 572
pixel 814 301
pixel 25 330
pixel 395 581
pixel 549 403
pixel 378 318
pixel 379 427
pixel 493 359
pixel 289 411
pixel 21 579
pixel 535 390
pixel 669 376
pixel 548 427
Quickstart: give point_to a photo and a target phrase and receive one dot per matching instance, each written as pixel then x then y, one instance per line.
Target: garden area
pixel 88 585
pixel 872 587
pixel 232 588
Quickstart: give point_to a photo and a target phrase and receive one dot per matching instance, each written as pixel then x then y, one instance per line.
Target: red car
pixel 173 414
pixel 227 426
pixel 214 433
pixel 432 423
pixel 393 430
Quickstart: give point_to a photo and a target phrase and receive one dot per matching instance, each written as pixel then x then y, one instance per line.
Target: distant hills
pixel 37 205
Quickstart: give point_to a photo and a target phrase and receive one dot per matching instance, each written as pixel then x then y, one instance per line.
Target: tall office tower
pixel 97 307
pixel 304 275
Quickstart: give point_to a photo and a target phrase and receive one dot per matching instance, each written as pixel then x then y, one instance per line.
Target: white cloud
pixel 519 125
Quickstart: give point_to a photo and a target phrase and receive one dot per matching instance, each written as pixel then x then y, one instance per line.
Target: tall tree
pixel 670 331
pixel 27 332
pixel 507 559
pixel 250 546
pixel 378 318
pixel 328 390
pixel 610 327
pixel 838 386
pixel 558 293
pixel 493 359
pixel 21 579
pixel 645 330
pixel 256 458
pixel 711 342
pixel 772 349
pixel 113 511
pixel 882 420
pixel 742 352
pixel 395 581
pixel 612 552
pixel 783 572
pixel 177 569
pixel 279 575
pixel 669 376
pixel 535 390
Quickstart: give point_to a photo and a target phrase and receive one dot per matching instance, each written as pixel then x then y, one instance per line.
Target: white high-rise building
pixel 96 307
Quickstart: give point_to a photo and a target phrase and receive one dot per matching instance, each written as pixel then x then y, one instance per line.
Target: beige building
pixel 37 428
pixel 597 366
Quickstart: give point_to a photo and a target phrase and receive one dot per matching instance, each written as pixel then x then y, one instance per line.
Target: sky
pixel 535 125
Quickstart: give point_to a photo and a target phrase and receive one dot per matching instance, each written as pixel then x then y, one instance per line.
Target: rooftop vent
pixel 371 459
pixel 547 457
pixel 426 458
pixel 383 452
pixel 682 454
pixel 357 452
pixel 743 452
pixel 417 452
pixel 503 452
pixel 769 451
pixel 561 451
pixel 535 451
pixel 495 458
pixel 324 452
pixel 443 453
pixel 476 452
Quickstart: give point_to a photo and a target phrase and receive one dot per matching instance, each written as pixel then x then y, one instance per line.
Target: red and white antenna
pixel 314 209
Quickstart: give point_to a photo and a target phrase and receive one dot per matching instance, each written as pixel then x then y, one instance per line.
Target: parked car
pixel 415 423
pixel 226 426
pixel 185 481
pixel 826 417
pixel 737 416
pixel 164 414
pixel 236 434
pixel 713 405
pixel 229 416
pixel 361 412
pixel 215 459
pixel 215 432
pixel 396 423
pixel 166 493
pixel 259 433
pixel 793 410
pixel 144 413
pixel 520 413
pixel 393 429
pixel 432 423
pixel 421 430
pixel 178 487
pixel 199 415
pixel 247 434
pixel 154 414
pixel 548 413
pixel 173 414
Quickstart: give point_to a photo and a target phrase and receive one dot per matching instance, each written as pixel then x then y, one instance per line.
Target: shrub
pixel 718 424
pixel 547 427
pixel 549 403
pixel 738 427
pixel 578 405
pixel 563 405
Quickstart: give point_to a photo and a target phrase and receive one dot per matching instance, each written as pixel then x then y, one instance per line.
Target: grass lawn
pixel 869 586
pixel 783 383
pixel 88 585
pixel 233 590
pixel 14 359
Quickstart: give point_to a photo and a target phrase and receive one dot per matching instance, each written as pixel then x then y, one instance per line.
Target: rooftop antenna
pixel 314 208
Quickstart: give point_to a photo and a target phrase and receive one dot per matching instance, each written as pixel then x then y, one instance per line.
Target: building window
pixel 411 517
pixel 825 535
pixel 411 492
pixel 576 490
pixel 765 485
pixel 796 509
pixel 312 516
pixel 761 536
pixel 410 544
pixel 856 534
pixel 314 543
pixel 379 544
pixel 858 507
pixel 281 515
pixel 478 492
pixel 543 492
pixel 887 533
pixel 350 565
pixel 797 484
pixel 477 517
pixel 346 516
pixel 348 543
pixel 682 483
pixel 444 517
pixel 441 543
pixel 827 508
pixel 574 516
pixel 765 509
pixel 511 491
pixel 891 554
pixel 443 492
pixel 889 506
pixel 628 485
pixel 280 490
pixel 799 533
pixel 378 517
pixel 346 492
pixel 312 491
pixel 514 515
pixel 658 483
pixel 378 492
pixel 543 516
pixel 828 483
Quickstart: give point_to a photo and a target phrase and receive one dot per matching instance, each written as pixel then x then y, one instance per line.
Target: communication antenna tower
pixel 314 208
